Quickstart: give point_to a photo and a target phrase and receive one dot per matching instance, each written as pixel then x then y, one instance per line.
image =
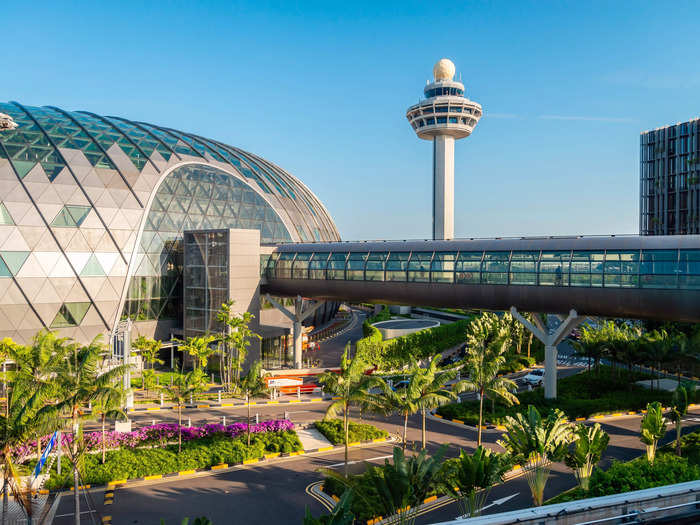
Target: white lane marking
pixel 360 461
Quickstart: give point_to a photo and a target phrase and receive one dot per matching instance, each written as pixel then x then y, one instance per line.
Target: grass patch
pixel 581 395
pixel 333 430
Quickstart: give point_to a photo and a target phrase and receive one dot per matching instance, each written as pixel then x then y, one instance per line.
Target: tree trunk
pixel 529 344
pixel 179 428
pixel 346 428
pixel 405 429
pixel 76 480
pixel 678 436
pixel 247 400
pixel 103 438
pixel 4 495
pixel 481 413
pixel 423 433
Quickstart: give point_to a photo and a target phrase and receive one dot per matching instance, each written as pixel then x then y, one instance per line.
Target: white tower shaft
pixel 443 187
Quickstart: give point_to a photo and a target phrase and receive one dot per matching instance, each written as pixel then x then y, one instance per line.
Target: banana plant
pixel 589 445
pixel 535 442
pixel 653 428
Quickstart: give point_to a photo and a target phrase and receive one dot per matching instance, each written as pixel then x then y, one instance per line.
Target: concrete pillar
pixel 443 187
pixel 550 341
pixel 297 318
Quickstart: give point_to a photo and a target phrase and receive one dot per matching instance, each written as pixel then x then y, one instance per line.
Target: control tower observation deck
pixel 443 116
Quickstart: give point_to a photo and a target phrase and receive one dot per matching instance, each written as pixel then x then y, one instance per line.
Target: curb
pixel 197 406
pixel 596 418
pixel 266 458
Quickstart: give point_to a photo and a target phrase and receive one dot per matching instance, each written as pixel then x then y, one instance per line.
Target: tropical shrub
pixel 333 430
pixel 199 453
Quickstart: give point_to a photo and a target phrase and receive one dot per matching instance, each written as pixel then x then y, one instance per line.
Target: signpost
pixel 45 454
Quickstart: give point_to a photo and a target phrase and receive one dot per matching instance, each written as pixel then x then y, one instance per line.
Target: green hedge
pixel 581 395
pixel 333 430
pixel 397 352
pixel 637 474
pixel 201 453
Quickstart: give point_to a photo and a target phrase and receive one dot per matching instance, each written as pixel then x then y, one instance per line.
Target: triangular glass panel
pixel 63 318
pixel 78 213
pixel 23 167
pixel 77 310
pixel 92 268
pixel 5 217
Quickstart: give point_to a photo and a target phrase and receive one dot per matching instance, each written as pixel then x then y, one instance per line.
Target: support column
pixel 297 318
pixel 443 187
pixel 550 341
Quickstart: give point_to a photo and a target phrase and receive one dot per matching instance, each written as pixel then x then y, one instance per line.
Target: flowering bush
pixel 159 434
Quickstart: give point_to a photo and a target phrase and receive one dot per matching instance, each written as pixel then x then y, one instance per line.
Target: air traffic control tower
pixel 443 116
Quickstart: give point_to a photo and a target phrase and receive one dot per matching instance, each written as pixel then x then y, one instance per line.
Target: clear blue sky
pixel 321 89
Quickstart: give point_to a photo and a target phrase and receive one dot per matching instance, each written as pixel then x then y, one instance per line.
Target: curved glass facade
pixel 192 197
pixel 76 189
pixel 665 269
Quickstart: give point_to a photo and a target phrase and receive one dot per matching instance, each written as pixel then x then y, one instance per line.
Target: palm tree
pixel 200 350
pixel 590 345
pixel 589 445
pixel 149 354
pixel 236 336
pixel 37 367
pixel 679 408
pixel 399 487
pixel 536 442
pixel 486 346
pixel 653 428
pixel 81 381
pixel 350 386
pixel 18 424
pixel 403 401
pixel 432 391
pixel 109 405
pixel 253 385
pixel 179 392
pixel 656 346
pixel 682 352
pixel 468 479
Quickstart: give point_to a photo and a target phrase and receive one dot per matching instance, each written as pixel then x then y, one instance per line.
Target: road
pixel 275 493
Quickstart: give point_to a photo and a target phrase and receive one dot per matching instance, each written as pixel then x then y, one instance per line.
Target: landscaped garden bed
pixel 153 450
pixel 584 395
pixel 639 474
pixel 333 430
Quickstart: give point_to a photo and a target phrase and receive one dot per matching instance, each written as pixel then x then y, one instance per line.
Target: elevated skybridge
pixel 645 277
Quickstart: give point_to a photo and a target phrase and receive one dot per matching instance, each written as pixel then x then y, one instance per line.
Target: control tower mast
pixel 443 116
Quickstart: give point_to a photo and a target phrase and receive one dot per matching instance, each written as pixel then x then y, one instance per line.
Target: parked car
pixel 534 377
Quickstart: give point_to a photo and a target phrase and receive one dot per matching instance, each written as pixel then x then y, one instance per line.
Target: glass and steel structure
pixel 666 269
pixel 93 210
pixel 669 180
pixel 635 276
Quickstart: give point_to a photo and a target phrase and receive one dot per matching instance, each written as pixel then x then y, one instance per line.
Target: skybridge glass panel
pixel 336 266
pixel 659 269
pixel 689 266
pixel 494 269
pixel 468 267
pixel 622 269
pixel 523 268
pixel 587 268
pixel 317 266
pixel 442 269
pixel 396 266
pixel 554 268
pixel 419 267
pixel 271 262
pixel 283 268
pixel 300 270
pixel 374 270
pixel 355 269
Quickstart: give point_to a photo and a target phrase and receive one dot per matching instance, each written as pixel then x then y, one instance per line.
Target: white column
pixel 297 318
pixel 550 341
pixel 443 187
